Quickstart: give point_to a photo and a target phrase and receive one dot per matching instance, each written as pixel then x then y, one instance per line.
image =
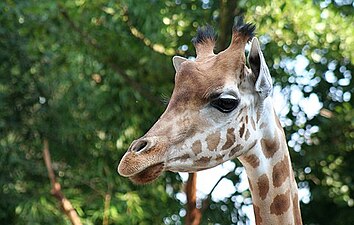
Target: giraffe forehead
pixel 193 91
pixel 194 87
pixel 210 70
pixel 198 77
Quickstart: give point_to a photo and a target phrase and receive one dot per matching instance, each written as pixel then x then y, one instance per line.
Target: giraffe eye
pixel 225 103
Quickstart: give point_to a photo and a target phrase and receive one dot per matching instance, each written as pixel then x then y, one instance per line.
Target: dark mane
pixel 203 34
pixel 246 29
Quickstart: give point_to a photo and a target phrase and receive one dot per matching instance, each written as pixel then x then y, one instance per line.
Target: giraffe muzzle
pixel 144 160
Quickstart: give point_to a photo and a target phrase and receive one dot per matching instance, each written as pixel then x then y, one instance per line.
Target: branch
pixel 115 67
pixel 206 201
pixel 194 214
pixel 107 202
pixel 217 183
pixel 56 188
pixel 140 36
pixel 107 198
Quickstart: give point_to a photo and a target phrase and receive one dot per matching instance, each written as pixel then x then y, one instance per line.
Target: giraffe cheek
pixel 213 141
pixel 230 139
pixel 197 147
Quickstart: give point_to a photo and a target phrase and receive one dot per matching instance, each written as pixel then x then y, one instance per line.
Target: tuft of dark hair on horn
pixel 246 29
pixel 203 34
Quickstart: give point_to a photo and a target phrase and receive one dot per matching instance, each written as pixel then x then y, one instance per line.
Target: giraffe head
pixel 206 120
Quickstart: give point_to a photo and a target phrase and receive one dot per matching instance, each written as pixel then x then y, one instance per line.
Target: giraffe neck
pixel 272 183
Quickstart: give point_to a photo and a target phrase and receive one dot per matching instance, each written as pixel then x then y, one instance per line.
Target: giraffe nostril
pixel 139 146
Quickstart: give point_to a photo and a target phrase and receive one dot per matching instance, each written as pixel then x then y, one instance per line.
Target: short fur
pixel 193 135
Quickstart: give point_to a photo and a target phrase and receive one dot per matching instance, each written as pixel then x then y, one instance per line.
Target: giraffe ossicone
pixel 220 110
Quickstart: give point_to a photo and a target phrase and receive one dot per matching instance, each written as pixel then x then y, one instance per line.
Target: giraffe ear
pixel 177 61
pixel 263 84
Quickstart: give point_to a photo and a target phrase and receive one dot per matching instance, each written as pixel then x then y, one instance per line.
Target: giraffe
pixel 221 109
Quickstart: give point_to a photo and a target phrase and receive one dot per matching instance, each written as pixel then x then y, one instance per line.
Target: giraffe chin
pixel 148 175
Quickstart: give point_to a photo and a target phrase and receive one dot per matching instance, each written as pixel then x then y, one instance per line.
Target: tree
pixel 89 77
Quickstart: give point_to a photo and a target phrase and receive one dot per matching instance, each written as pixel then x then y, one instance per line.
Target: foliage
pixel 90 77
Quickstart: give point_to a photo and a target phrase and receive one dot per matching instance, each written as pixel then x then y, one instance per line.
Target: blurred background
pixel 91 76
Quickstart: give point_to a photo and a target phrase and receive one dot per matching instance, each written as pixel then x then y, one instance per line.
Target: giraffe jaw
pixel 148 175
pixel 141 168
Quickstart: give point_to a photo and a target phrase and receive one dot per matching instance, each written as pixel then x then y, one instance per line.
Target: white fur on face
pixel 182 157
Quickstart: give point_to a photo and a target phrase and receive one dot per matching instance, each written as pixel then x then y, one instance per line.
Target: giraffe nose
pixel 139 145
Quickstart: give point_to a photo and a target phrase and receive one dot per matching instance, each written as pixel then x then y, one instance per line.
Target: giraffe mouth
pixel 148 175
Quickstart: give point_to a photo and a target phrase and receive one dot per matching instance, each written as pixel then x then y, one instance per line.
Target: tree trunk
pixel 228 10
pixel 194 214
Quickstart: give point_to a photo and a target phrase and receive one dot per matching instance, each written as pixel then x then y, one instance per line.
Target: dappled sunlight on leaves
pixel 90 76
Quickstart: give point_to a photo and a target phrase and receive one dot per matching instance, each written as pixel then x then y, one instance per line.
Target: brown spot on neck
pixel 236 149
pixel 252 160
pixel 280 204
pixel 213 141
pixel 296 210
pixel 263 186
pixel 197 147
pixel 257 214
pixel 230 138
pixel 281 171
pixel 270 146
